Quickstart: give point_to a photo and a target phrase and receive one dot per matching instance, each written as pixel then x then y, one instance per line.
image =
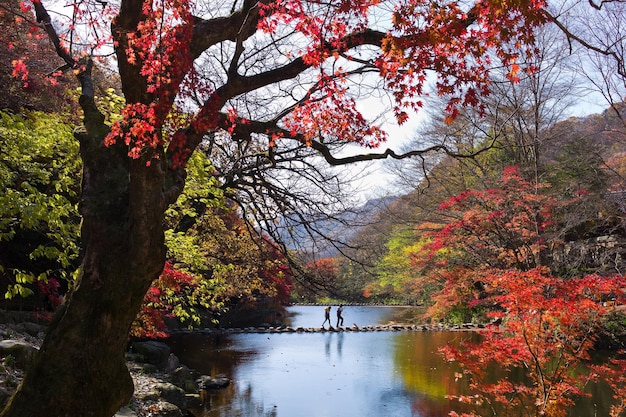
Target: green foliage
pixel 206 238
pixel 460 314
pixel 39 185
pixel 396 273
pixel 111 104
pixel 395 266
pixel 9 360
pixel 201 197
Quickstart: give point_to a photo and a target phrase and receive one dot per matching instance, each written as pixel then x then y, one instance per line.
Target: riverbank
pixel 22 333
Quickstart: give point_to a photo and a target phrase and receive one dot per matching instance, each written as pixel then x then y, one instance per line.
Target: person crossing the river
pixel 339 316
pixel 327 317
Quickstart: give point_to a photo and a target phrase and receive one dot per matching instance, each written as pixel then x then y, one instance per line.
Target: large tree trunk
pixel 80 369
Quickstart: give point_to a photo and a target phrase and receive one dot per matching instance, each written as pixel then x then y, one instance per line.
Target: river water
pixel 345 374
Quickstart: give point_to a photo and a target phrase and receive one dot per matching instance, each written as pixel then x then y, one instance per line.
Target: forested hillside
pixel 580 190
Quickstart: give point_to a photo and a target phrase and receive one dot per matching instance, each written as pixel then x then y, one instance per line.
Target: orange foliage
pixel 548 327
pixel 505 226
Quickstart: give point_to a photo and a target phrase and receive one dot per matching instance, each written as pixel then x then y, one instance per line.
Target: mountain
pixel 326 234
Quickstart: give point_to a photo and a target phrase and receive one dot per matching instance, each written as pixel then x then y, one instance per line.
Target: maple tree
pixel 548 328
pixel 507 225
pixel 291 71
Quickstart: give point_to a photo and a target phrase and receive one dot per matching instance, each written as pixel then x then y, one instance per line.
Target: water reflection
pixel 338 345
pixel 314 374
pixel 373 374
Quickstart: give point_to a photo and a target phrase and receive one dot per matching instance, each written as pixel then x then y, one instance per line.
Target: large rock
pixel 185 378
pixel 165 409
pixel 33 329
pixel 21 352
pixel 172 363
pixel 207 382
pixel 154 352
pixel 171 394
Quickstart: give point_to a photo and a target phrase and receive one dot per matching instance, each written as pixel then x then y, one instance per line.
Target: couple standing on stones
pixel 339 316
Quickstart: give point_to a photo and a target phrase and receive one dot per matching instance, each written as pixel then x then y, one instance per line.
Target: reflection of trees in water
pixel 233 402
pixel 429 379
pixel 213 355
pixel 424 372
pixel 208 354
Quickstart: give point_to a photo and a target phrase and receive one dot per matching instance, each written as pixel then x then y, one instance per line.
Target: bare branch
pixel 44 18
pixel 598 6
pixel 621 67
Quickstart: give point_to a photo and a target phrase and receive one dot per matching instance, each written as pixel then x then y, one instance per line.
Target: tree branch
pixel 621 66
pixel 44 18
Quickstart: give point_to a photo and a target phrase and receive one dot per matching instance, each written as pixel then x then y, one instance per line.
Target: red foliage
pixel 50 290
pixel 325 267
pixel 613 374
pixel 505 226
pixel 159 301
pixel 548 327
pixel 157 43
pixel 277 272
pixel 28 78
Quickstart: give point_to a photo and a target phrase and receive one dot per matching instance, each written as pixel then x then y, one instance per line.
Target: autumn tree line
pixel 496 214
pixel 528 236
pixel 534 190
pixel 544 190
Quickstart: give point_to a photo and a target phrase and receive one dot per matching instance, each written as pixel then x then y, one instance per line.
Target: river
pixel 344 374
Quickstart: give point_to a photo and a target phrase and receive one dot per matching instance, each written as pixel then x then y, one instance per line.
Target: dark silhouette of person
pixel 327 316
pixel 339 316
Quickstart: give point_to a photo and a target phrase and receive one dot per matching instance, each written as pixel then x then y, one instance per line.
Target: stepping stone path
pixel 354 328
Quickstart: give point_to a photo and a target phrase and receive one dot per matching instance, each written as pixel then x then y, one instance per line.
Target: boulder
pixel 206 382
pixel 166 409
pixel 172 363
pixel 22 352
pixel 154 352
pixel 32 329
pixel 172 394
pixel 185 378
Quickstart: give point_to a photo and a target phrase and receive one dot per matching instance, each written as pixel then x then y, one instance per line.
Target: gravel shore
pixel 144 403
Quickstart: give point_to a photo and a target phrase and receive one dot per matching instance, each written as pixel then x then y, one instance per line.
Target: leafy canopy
pixel 178 85
pixel 39 177
pixel 549 326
